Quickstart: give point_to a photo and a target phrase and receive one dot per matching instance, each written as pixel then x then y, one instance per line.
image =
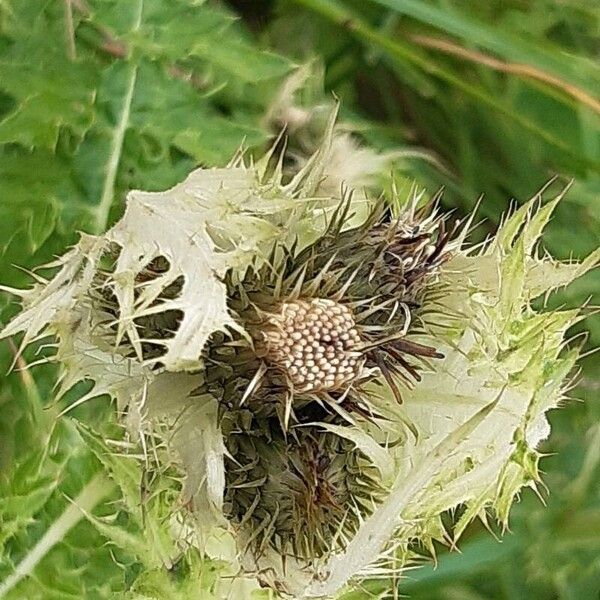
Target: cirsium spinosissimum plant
pixel 332 373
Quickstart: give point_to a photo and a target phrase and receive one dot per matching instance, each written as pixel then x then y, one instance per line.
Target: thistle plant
pixel 330 372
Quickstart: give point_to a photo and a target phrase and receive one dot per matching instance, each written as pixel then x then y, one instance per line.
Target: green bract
pixel 443 405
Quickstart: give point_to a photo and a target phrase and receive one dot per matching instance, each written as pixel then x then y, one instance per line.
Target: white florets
pixel 315 343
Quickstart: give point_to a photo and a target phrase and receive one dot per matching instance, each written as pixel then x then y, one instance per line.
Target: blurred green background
pixel 484 98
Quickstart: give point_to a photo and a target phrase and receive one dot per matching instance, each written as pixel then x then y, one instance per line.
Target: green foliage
pixel 103 96
pixel 45 464
pixel 147 90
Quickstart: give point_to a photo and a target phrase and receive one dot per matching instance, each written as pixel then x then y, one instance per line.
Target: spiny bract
pixel 331 372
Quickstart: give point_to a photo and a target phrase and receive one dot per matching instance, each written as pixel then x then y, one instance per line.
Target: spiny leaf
pixel 49 90
pixel 181 30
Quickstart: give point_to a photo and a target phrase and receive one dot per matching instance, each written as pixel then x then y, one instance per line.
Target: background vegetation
pixel 101 96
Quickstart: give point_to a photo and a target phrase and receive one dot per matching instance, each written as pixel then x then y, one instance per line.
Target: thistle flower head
pixel 330 372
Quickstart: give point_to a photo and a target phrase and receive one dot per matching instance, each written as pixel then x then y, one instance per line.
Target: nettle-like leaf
pixel 101 97
pixel 331 374
pixel 49 91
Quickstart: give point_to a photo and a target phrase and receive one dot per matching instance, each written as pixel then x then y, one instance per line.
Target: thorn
pixel 254 383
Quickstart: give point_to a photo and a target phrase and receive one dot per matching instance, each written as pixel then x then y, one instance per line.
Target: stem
pixel 92 494
pixel 70 30
pixel 116 148
pixel 579 487
pixel 522 70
